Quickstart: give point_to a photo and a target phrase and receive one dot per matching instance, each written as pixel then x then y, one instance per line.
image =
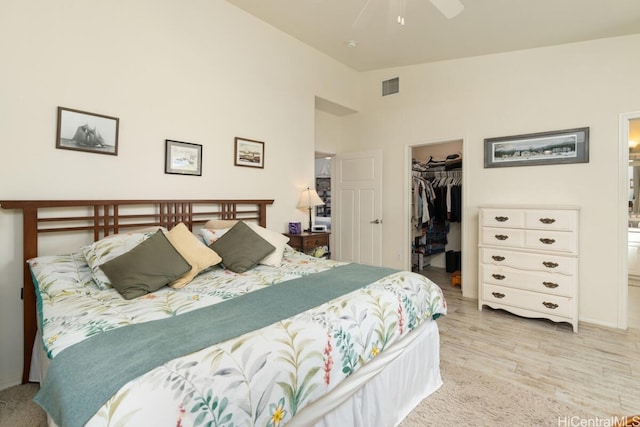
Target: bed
pixel 291 341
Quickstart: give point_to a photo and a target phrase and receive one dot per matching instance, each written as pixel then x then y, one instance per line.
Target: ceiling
pixel 483 27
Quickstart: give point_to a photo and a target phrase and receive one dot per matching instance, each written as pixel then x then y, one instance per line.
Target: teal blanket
pixel 83 377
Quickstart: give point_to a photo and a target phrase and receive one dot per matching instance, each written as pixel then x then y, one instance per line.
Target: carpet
pixel 467 398
pixel 472 398
pixel 18 410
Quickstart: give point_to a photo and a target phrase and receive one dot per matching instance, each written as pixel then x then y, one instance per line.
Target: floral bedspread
pixel 261 378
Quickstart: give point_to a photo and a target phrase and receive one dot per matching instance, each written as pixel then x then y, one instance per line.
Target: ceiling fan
pixel 397 8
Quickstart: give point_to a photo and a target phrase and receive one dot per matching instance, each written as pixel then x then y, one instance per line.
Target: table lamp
pixel 309 199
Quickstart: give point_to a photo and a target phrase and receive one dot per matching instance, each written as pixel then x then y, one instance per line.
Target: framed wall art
pixel 83 131
pixel 544 148
pixel 182 158
pixel 249 152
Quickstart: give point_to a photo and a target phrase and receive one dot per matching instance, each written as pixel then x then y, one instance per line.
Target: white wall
pixel 569 86
pixel 200 71
pixel 327 132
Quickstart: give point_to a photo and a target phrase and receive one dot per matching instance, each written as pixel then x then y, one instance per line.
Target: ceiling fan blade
pixel 449 8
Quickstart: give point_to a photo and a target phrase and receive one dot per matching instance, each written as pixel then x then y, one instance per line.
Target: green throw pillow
pixel 146 268
pixel 241 248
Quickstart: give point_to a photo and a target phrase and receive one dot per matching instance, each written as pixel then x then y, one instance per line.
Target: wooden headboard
pixel 106 217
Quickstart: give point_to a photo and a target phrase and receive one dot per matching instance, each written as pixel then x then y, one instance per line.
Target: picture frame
pixel 323 184
pixel 295 228
pixel 182 158
pixel 249 153
pixel 83 131
pixel 542 148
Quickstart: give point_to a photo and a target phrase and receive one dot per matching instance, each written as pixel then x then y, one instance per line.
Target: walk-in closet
pixel 436 208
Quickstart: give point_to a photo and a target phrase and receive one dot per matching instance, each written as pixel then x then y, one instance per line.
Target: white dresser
pixel 529 261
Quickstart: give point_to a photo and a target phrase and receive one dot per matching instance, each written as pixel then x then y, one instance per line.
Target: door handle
pixel 376 221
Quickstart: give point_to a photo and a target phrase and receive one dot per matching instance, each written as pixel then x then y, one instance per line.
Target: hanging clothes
pixel 437 201
pixel 423 197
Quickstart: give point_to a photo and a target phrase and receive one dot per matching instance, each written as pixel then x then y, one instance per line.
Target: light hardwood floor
pixel 597 368
pixel 634 306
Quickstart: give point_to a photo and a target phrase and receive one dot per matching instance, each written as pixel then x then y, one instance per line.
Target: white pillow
pixel 217 224
pixel 211 235
pixel 278 240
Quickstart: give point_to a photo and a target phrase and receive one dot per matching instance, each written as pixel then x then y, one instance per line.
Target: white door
pixel 357 207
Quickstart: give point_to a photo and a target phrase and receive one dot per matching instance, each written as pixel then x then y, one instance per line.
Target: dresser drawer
pixel 512 218
pixel 509 237
pixel 541 303
pixel 557 241
pixel 527 261
pixel 550 219
pixel 549 283
pixel 554 241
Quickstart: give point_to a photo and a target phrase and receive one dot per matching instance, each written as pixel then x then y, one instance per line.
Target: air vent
pixel 391 86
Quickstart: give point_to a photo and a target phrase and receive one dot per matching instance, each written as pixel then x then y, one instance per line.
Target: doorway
pixel 629 292
pixel 436 209
pixel 323 182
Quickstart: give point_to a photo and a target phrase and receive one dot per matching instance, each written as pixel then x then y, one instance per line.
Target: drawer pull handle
pixel 550 264
pixel 550 285
pixel 498 258
pixel 502 218
pixel 547 220
pixel 550 305
pixel 501 237
pixel 498 294
pixel 498 276
pixel 547 241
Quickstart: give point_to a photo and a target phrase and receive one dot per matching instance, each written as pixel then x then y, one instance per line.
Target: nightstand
pixel 307 242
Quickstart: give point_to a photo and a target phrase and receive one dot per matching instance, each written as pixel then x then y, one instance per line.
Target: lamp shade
pixel 309 199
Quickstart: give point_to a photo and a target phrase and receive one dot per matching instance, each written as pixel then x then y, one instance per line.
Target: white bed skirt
pixel 384 391
pixel 381 393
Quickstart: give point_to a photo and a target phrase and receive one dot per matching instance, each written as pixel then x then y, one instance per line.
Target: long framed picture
pixel 543 148
pixel 249 152
pixel 83 131
pixel 182 158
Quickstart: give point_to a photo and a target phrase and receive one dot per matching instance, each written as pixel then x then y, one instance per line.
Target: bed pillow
pixel 193 250
pixel 107 249
pixel 146 268
pixel 274 259
pixel 151 229
pixel 210 235
pixel 241 248
pixel 215 224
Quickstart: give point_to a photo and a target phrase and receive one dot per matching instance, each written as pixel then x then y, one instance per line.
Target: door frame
pixel 406 241
pixel 623 218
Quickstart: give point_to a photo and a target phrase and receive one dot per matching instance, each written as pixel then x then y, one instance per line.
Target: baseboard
pixel 598 323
